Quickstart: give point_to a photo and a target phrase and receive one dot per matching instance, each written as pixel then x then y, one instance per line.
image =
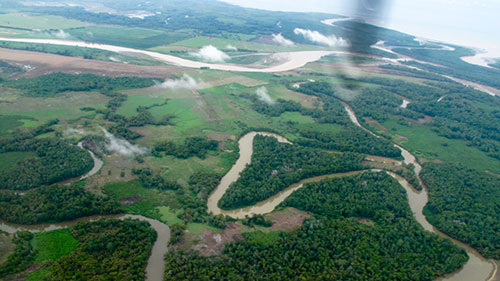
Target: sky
pixel 471 23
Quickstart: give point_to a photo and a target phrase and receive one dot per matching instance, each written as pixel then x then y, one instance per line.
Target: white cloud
pixel 73 131
pixel 186 82
pixel 211 54
pixel 61 34
pixel 231 47
pixel 122 146
pixel 278 38
pixel 263 95
pixel 317 37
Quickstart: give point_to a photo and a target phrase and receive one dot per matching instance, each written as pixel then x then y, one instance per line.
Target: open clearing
pixel 65 106
pixel 21 20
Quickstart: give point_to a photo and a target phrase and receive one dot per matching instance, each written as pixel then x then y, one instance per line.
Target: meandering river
pixel 476 268
pixel 97 163
pixel 156 265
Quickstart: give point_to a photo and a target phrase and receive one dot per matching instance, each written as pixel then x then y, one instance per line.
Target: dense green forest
pixel 22 256
pixel 350 137
pixel 332 245
pixel 53 204
pixel 192 146
pixel 54 83
pixel 465 204
pixel 155 181
pixel 203 183
pixel 55 160
pixel 107 250
pixel 277 165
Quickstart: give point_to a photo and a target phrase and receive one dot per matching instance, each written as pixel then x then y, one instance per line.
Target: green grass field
pixel 64 106
pixel 8 159
pixel 149 198
pixel 133 37
pixel 129 107
pixel 53 245
pixel 50 246
pixel 423 142
pixel 27 21
pixel 9 122
pixel 168 216
pixel 181 169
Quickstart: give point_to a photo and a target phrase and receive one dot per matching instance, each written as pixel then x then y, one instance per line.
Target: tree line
pixel 463 203
pixel 55 160
pixel 55 203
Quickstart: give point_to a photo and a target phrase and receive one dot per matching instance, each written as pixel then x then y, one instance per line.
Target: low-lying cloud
pixel 211 54
pixel 317 37
pixel 278 38
pixel 72 131
pixel 185 82
pixel 61 34
pixel 122 146
pixel 231 48
pixel 263 95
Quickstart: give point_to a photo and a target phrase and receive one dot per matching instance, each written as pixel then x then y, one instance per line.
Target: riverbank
pixel 155 267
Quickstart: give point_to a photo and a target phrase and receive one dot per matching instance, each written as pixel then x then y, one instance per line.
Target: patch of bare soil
pixel 288 220
pixel 364 221
pixel 401 137
pixel 245 81
pixel 425 120
pixel 375 124
pixel 221 138
pixel 211 242
pixel 392 166
pixel 111 171
pixel 129 200
pixel 425 160
pixel 42 63
pixel 203 107
pixel 491 173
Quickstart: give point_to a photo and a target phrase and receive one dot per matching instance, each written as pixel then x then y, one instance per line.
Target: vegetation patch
pixel 463 203
pixel 53 204
pixel 330 245
pixel 55 160
pixel 107 250
pixel 52 245
pixel 276 165
pixel 55 83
